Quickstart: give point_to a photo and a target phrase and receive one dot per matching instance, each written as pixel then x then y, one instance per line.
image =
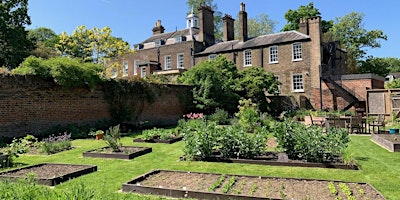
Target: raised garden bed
pixel 127 152
pixel 49 173
pixel 279 159
pixel 157 140
pixel 390 142
pixel 181 184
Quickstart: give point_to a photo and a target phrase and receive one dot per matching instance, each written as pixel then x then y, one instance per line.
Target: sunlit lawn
pixel 378 166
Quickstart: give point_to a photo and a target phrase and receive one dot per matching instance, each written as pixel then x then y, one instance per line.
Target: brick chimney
pixel 206 34
pixel 228 25
pixel 303 26
pixel 158 28
pixel 242 23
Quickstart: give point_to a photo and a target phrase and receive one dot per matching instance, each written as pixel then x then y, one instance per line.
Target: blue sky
pixel 133 20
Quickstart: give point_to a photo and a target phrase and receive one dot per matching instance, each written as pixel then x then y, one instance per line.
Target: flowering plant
pixel 54 144
pixel 194 116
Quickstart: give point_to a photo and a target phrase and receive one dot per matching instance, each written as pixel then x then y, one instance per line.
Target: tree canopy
pixel 349 30
pixel 92 45
pixel 14 44
pixel 293 17
pixel 45 41
pixel 379 66
pixel 218 84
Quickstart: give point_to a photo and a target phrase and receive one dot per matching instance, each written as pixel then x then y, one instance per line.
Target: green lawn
pixel 378 166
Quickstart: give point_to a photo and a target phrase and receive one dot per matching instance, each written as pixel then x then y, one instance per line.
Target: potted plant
pixel 98 134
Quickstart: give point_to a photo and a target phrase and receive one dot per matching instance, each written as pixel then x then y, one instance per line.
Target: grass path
pixel 378 166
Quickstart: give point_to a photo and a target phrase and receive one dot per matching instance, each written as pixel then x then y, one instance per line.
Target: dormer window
pixel 180 39
pixel 159 42
pixel 138 46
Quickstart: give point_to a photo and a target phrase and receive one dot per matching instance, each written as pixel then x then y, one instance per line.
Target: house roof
pixel 263 40
pixel 166 36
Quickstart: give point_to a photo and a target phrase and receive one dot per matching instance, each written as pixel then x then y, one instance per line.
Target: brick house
pixel 307 68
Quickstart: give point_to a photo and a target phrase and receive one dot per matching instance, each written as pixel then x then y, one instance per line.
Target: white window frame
pixel 135 68
pixel 143 72
pixel 297 51
pixel 125 68
pixel 297 83
pixel 167 62
pixel 247 58
pixel 273 54
pixel 212 56
pixel 180 61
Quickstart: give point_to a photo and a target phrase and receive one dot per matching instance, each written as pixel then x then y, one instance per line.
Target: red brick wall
pixel 31 105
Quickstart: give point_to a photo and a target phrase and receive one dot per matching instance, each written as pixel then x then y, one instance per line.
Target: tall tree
pixel 380 66
pixel 92 45
pixel 293 17
pixel 259 25
pixel 45 41
pixel 349 30
pixel 14 44
pixel 194 5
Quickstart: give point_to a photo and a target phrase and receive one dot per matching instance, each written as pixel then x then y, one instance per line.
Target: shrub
pixel 113 137
pixel 220 117
pixel 55 144
pixel 235 142
pixel 310 143
pixel 200 139
pixel 248 114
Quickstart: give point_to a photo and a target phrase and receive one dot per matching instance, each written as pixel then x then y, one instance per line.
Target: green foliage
pixel 293 17
pixel 55 144
pixel 393 84
pixel 248 114
pixel 235 142
pixel 310 143
pixel 64 71
pixel 332 188
pixel 349 30
pixel 162 133
pixel 119 94
pixel 92 45
pixel 259 25
pixel 220 116
pixel 200 139
pixel 113 138
pixel 217 183
pixel 17 147
pixel 228 186
pixel 379 66
pixel 14 43
pixel 253 81
pixel 213 84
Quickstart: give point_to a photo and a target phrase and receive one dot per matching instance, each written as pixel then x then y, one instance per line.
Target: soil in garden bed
pixel 278 159
pixel 126 152
pixel 50 173
pixel 158 140
pixel 248 186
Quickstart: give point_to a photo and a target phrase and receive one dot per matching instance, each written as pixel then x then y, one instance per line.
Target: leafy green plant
pixel 332 188
pixel 310 143
pixel 248 114
pixel 55 144
pixel 228 186
pixel 347 191
pixel 253 188
pixel 113 137
pixel 218 183
pixel 220 117
pixel 161 133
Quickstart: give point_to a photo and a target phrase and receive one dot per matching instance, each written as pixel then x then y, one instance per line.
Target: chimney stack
pixel 303 26
pixel 206 34
pixel 242 23
pixel 158 28
pixel 228 25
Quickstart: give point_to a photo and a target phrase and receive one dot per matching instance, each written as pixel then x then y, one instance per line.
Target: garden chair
pixel 355 124
pixel 318 122
pixel 377 122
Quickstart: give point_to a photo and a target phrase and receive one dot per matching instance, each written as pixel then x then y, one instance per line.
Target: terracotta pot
pixel 99 136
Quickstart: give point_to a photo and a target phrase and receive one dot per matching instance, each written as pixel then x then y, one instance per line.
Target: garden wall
pixel 31 105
